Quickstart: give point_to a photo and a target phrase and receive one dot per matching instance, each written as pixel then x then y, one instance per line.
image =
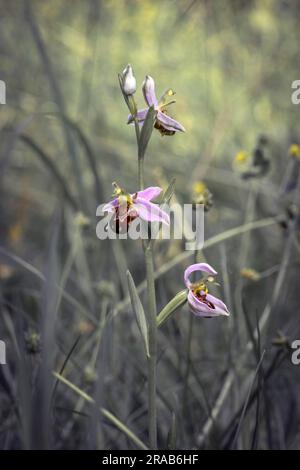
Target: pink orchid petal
pixel 150 212
pixel 202 267
pixel 169 122
pixel 197 307
pixel 150 193
pixel 201 309
pixel 110 206
pixel 220 306
pixel 141 116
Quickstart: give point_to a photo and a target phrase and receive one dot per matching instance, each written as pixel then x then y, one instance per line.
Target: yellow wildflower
pixel 294 151
pixel 241 157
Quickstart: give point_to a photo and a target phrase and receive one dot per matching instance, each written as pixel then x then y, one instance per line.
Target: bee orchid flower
pixel 202 303
pixel 164 123
pixel 127 207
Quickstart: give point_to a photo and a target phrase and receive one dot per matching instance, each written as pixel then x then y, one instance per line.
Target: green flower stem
pixel 141 173
pixel 152 311
pixel 137 130
pixel 188 362
pixel 152 325
pixel 140 160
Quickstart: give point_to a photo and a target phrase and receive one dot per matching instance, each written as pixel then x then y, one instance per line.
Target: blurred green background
pixel 231 64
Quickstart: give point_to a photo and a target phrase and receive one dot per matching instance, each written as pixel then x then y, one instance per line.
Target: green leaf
pixel 171 307
pixel 172 434
pixel 146 131
pixel 139 312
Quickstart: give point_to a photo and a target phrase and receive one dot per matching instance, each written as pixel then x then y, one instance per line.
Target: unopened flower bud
pixel 250 274
pixel 6 271
pixel 129 81
pixel 281 341
pixel 106 289
pixel 202 195
pixel 81 220
pixel 90 375
pixel 84 327
pixel 32 342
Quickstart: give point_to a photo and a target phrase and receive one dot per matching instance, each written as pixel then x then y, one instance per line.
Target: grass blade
pixel 47 161
pixel 169 192
pixel 247 400
pixel 107 414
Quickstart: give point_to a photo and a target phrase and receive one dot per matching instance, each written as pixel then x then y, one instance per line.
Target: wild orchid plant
pixel 127 207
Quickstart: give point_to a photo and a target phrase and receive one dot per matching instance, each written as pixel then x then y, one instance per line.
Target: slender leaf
pixel 146 132
pixel 139 312
pixel 247 400
pixel 171 307
pixel 64 365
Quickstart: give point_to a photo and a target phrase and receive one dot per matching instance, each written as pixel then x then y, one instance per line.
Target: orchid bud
pixel 148 88
pixel 129 81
